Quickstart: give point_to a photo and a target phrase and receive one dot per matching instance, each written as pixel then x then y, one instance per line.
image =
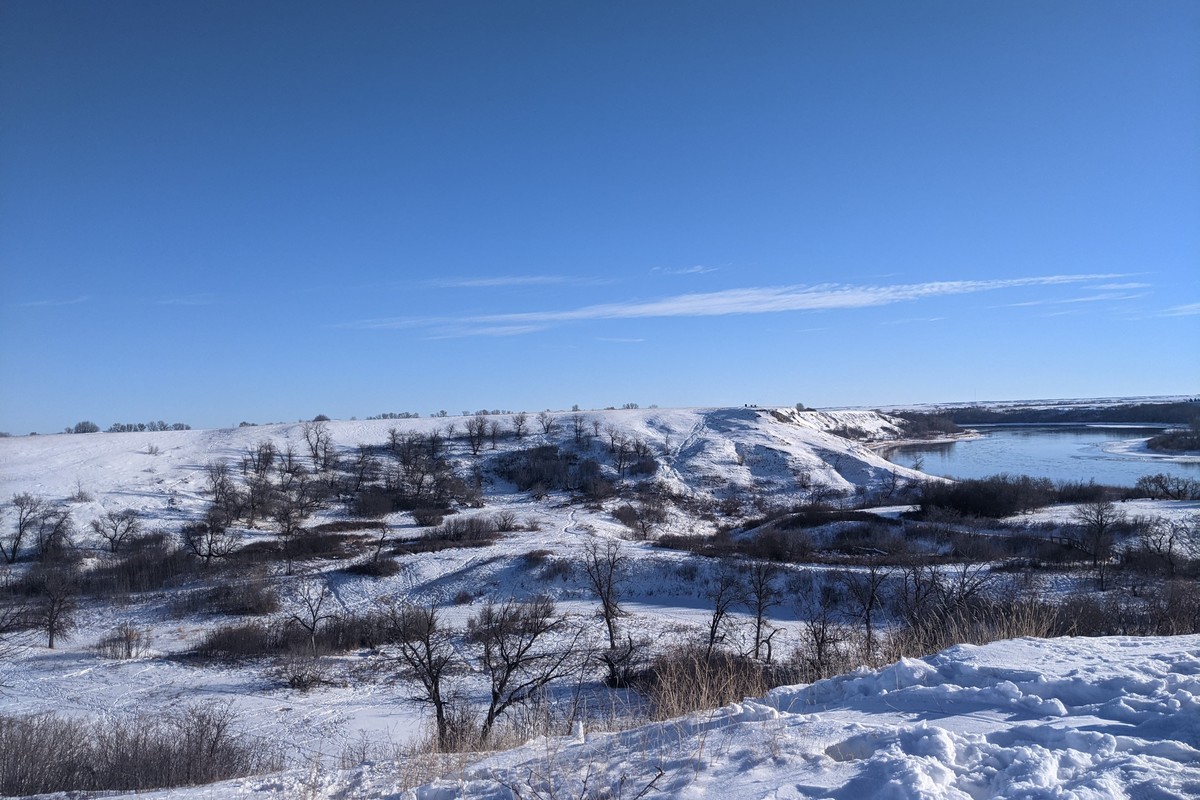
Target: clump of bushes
pixel 200 744
pixel 997 496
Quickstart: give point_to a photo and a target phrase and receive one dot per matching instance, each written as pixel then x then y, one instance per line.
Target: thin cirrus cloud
pixel 1091 298
pixel 1189 310
pixel 507 280
pixel 699 269
pixel 74 301
pixel 755 300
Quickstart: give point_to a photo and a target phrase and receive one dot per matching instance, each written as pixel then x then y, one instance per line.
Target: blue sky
pixel 224 211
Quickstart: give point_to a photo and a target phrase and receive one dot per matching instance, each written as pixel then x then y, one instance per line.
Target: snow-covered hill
pixel 1030 719
pixel 701 451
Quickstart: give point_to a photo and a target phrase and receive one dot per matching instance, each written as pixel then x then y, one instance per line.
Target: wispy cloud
pixel 506 280
pixel 754 300
pixel 913 320
pixel 74 301
pixel 188 300
pixel 1091 298
pixel 699 269
pixel 1120 287
pixel 1191 309
pixel 462 331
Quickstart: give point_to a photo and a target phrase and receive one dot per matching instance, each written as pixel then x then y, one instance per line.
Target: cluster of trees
pixel 924 425
pixel 1177 441
pixel 1149 413
pixel 87 426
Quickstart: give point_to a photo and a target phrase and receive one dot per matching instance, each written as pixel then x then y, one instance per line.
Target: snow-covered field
pixel 1066 718
pixel 1063 718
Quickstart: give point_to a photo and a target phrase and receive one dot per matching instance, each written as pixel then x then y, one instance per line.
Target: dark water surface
pixel 1110 454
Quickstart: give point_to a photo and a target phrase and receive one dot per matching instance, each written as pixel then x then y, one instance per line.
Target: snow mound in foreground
pixel 1066 718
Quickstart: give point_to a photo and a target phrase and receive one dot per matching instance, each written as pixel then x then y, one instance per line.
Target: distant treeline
pixel 1167 413
pixel 87 426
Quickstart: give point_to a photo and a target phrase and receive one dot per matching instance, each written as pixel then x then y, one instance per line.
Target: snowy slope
pixel 1085 718
pixel 701 451
pixel 1030 719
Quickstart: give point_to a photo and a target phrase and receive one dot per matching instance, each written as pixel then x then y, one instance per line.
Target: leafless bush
pixel 464 529
pixel 244 598
pixel 304 671
pixel 126 641
pixel 376 568
pixel 557 569
pixel 684 680
pixel 150 563
pixel 977 623
pixel 238 642
pixel 428 517
pixel 198 745
pixel 534 558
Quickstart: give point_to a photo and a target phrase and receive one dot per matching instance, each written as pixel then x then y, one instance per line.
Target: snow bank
pixel 1030 719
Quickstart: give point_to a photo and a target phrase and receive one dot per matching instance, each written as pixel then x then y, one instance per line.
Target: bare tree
pixel 55 534
pixel 426 648
pixel 547 422
pixel 29 508
pixel 259 459
pixel 494 431
pixel 607 568
pixel 54 610
pixel 1098 520
pixel 578 428
pixel 208 539
pixel 476 432
pixel 762 594
pixel 521 647
pixel 320 444
pixel 288 517
pixel 313 596
pixel 227 503
pixel 363 469
pixel 865 590
pixel 823 636
pixel 724 590
pixel 1164 538
pixel 520 422
pixel 117 527
pixel 14 620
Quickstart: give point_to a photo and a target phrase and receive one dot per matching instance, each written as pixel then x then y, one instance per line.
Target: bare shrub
pixel 375 568
pixel 80 495
pixel 125 642
pixel 689 679
pixel 304 671
pixel 150 563
pixel 464 529
pixel 238 642
pixel 534 558
pixel 977 623
pixel 243 598
pixel 428 517
pixel 557 569
pixel 197 745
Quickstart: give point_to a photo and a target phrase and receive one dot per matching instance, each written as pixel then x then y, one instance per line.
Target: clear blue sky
pixel 224 211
